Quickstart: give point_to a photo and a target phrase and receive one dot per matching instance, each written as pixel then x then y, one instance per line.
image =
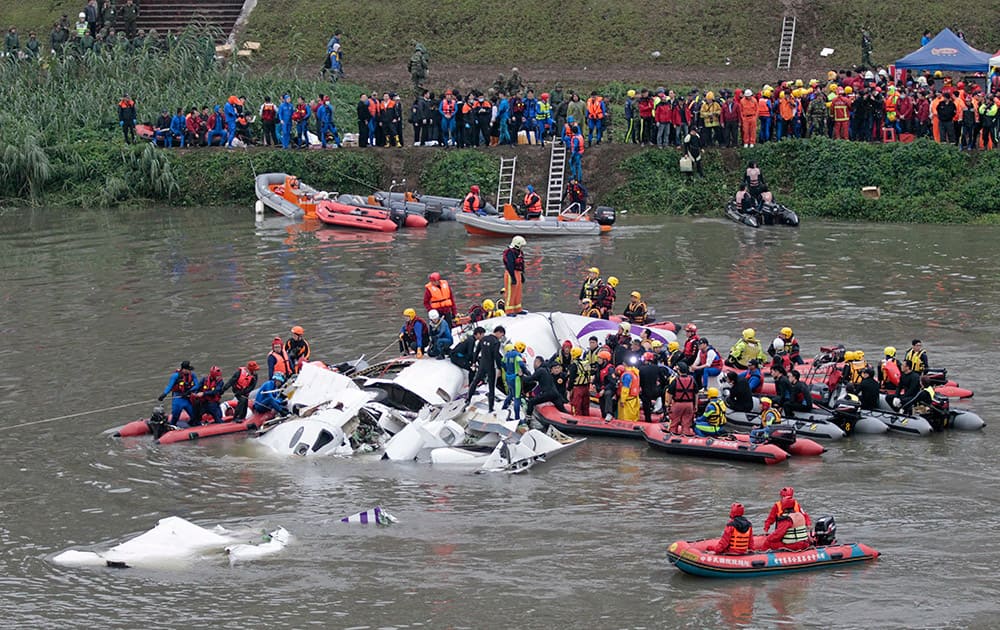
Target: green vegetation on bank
pixel 922 182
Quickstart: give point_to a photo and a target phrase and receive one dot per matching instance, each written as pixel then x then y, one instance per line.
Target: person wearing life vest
pixel 791 529
pixel 543 117
pixel 628 393
pixel 438 296
pixel 579 380
pixel 242 382
pixel 270 396
pixel 473 203
pixel 532 203
pixel 737 537
pixel 590 354
pixel 854 366
pixel 713 419
pixel 789 345
pixel 413 335
pixel 439 332
pixel 691 343
pixel 277 359
pixel 587 309
pixel 297 350
pixel 591 284
pixel 127 117
pixel 269 118
pixel 448 109
pixel 576 148
pixel 575 194
pixel 605 384
pixel 671 356
pixel 606 295
pixel 513 274
pixel 707 364
pixel 917 357
pixel 514 370
pixel 777 509
pixel 485 310
pixel 635 311
pixel 888 368
pixel 769 419
pixel 207 395
pixel 596 111
pixel 682 396
pixel 182 384
pixel 745 349
pixel 230 112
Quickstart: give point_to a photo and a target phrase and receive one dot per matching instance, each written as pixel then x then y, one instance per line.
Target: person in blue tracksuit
pixel 208 394
pixel 285 111
pixel 302 127
pixel 503 118
pixel 231 114
pixel 440 333
pixel 576 155
pixel 530 124
pixel 270 397
pixel 182 384
pixel 178 126
pixel 218 130
pixel 324 114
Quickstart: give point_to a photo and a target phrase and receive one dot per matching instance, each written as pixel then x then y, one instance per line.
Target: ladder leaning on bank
pixel 557 175
pixel 787 41
pixel 505 186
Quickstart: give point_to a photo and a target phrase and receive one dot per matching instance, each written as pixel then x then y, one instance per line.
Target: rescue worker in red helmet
pixel 243 381
pixel 791 528
pixel 277 359
pixel 297 349
pixel 207 395
pixel 439 297
pixel 776 509
pixel 473 203
pixel 737 537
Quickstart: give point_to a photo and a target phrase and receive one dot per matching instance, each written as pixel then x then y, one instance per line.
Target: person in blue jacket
pixel 208 394
pixel 503 118
pixel 413 334
pixel 285 111
pixel 178 126
pixel 753 376
pixel 530 125
pixel 270 396
pixel 515 369
pixel 231 114
pixel 182 384
pixel 324 114
pixel 440 333
pixel 218 130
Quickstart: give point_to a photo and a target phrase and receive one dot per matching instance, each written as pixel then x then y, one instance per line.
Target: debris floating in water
pixel 376 515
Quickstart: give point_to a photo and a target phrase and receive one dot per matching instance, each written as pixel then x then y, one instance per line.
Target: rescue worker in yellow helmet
pixel 888 369
pixel 587 309
pixel 790 346
pixel 414 334
pixel 748 347
pixel 713 419
pixel 591 282
pixel 606 295
pixel 636 311
pixel 770 417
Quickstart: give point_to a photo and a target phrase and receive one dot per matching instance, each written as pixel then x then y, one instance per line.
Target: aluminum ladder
pixel 557 177
pixel 787 41
pixel 505 185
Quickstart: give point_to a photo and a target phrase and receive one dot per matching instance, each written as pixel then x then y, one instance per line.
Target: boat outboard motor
pixel 937 376
pixel 782 437
pixel 939 412
pixel 604 215
pixel 825 531
pixel 158 423
pixel 846 413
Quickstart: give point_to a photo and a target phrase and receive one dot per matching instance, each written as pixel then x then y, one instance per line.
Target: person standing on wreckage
pixel 489 359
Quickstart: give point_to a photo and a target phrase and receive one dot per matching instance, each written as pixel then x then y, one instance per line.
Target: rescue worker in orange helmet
pixel 438 296
pixel 296 349
pixel 737 537
pixel 243 381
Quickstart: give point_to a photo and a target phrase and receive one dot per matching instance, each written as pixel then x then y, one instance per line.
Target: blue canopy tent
pixel 946 52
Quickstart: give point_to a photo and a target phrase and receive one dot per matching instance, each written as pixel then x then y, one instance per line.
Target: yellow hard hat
pixel 519 346
pixel 594 270
pixel 749 334
pixel 673 346
pixel 656 343
pixel 410 313
pixel 859 355
pixel 850 355
pixel 938 74
pixel 831 75
pixel 576 352
pixel 890 351
pixel 831 88
pixel 798 82
pixel 710 95
pixel 786 332
pixel 636 294
pixel 767 92
pixel 765 401
pixel 613 281
pixel 813 82
pixel 489 304
pixel 631 93
pixel 508 347
pixel 713 392
pixel 848 90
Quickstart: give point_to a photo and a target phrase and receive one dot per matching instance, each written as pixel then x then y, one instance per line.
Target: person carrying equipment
pixel 711 422
pixel 242 383
pixel 270 397
pixel 440 336
pixel 413 336
pixel 182 384
pixel 737 537
pixel 514 371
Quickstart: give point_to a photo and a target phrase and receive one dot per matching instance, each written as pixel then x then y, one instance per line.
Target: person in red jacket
pixel 776 510
pixel 737 538
pixel 662 116
pixel 791 530
pixel 646 122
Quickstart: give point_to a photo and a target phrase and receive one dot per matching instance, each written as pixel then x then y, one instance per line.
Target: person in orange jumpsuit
pixel 776 510
pixel 791 529
pixel 748 118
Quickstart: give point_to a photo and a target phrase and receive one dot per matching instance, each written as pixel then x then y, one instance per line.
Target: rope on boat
pixel 76 415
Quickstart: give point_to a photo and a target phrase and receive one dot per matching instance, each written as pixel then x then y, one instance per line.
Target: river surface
pixel 97 307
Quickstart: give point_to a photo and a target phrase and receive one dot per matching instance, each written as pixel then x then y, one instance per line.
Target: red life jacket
pixel 281 362
pixel 448 108
pixel 518 258
pixel 412 323
pixel 594 109
pixel 577 144
pixel 244 379
pixel 268 112
pixel 685 389
pixel 184 384
pixel 208 385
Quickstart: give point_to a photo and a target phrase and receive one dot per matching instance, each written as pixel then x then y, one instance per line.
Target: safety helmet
pixel 620 370
pixel 253 366
pixel 604 354
pixel 691 328
pixel 859 355
pixel 890 351
pixel 713 392
pixel 788 503
pixel 656 343
pixel 433 315
pixel 520 346
pixel 749 334
pixel 636 295
pixel 508 347
pixel 736 509
pixel 798 82
pixel 765 402
pixel 474 188
pixel 710 95
pixel 787 491
pixel 567 343
pixel 298 330
pixel 850 355
pixel 576 352
pixel 648 356
pixel 673 346
pixel 778 344
pixel 938 74
pixel 82 15
pixel 276 340
pixel 786 332
pixel 848 90
pixel 613 281
pixel 747 92
pixel 630 93
pixel 586 301
pixel 544 96
pixel 594 270
pixel 831 75
pixel 489 305
pixel 215 371
pixel 434 277
pixel 518 242
pixel 410 313
pixel 279 377
pixel 625 326
pixel 781 94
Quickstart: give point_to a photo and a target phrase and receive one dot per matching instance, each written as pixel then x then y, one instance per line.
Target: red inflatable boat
pixel 141 427
pixel 343 215
pixel 696 559
pixel 716 448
